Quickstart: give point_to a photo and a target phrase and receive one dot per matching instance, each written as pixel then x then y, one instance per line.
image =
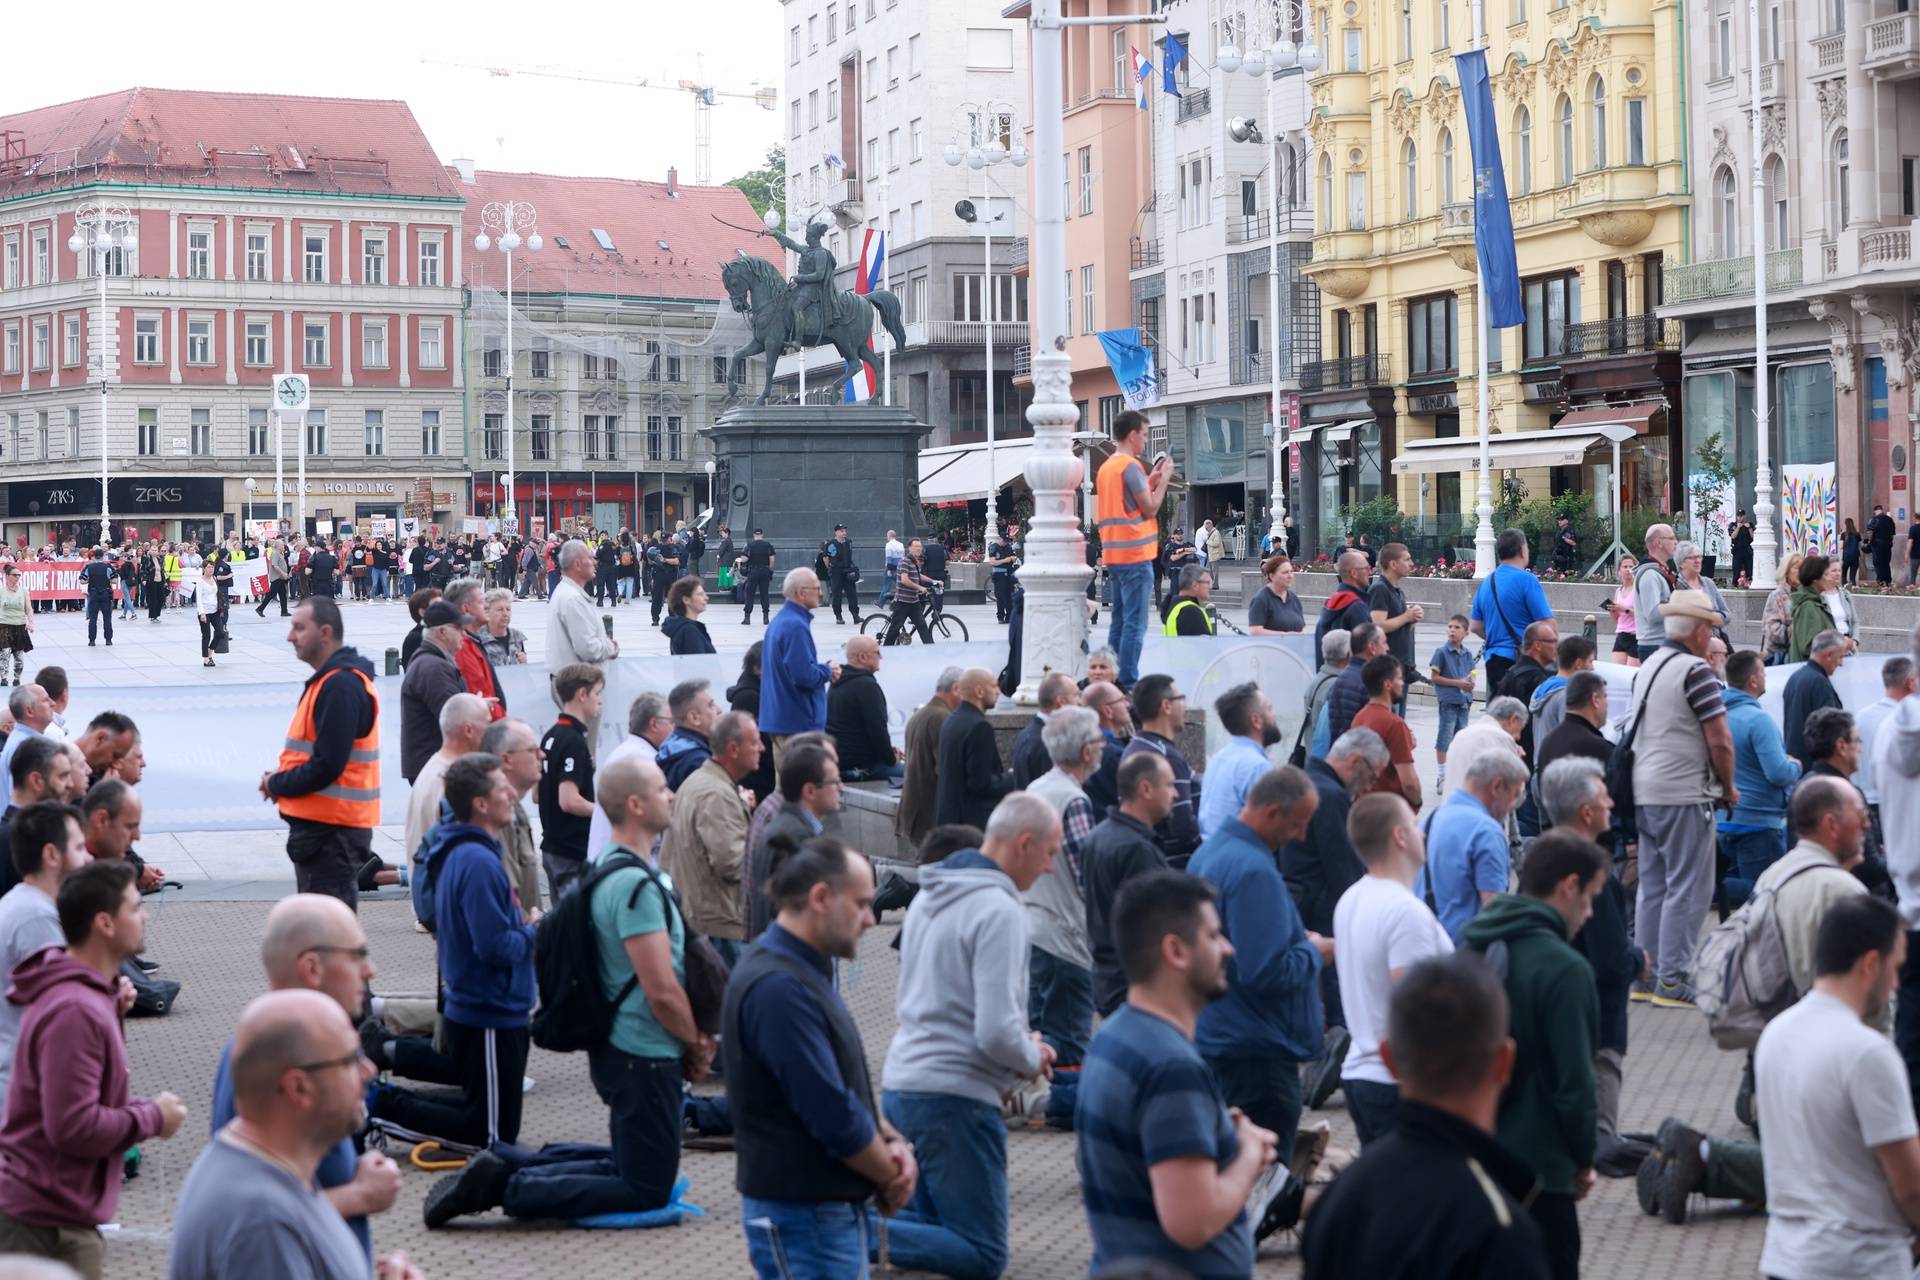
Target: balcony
pixel 968 333
pixel 1247 367
pixel 1023 362
pixel 1146 254
pixel 1352 371
pixel 1194 103
pixel 1772 77
pixel 1017 252
pixel 1255 228
pixel 1621 335
pixel 1730 277
pixel 844 193
pixel 1830 55
pixel 1893 47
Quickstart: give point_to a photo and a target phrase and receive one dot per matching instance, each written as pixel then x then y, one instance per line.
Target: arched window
pixel 1726 213
pixel 1598 124
pixel 1326 192
pixel 1842 175
pixel 1563 125
pixel 1522 151
pixel 1446 166
pixel 1409 181
pixel 1776 178
pixel 1289 176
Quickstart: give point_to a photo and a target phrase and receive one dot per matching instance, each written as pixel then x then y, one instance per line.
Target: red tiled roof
pixel 635 215
pixel 195 138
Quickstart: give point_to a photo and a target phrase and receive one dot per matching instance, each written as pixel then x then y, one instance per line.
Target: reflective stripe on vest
pixel 353 798
pixel 1123 538
pixel 1173 616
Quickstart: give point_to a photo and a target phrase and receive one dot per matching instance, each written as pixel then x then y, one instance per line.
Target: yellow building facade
pixel 1590 99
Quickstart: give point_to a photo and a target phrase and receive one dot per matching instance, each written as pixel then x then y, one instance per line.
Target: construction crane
pixel 705 98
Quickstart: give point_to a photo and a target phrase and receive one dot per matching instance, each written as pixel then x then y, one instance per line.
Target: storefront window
pixel 1366 458
pixel 1219 446
pixel 1804 412
pixel 1327 530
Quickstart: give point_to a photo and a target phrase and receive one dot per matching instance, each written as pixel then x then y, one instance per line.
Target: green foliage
pixel 766 187
pixel 1379 518
pixel 1507 503
pixel 1710 485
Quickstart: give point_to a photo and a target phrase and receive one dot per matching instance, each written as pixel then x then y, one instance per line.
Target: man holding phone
pixel 1128 498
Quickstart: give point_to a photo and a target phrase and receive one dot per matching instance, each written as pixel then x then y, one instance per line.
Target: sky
pixel 364 49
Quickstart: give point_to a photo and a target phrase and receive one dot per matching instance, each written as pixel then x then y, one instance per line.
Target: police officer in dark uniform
pixel 663 558
pixel 1003 554
pixel 759 573
pixel 97 577
pixel 843 573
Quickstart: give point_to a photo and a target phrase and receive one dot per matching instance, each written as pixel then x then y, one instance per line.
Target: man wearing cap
pixel 1682 771
pixel 843 574
pixel 1003 554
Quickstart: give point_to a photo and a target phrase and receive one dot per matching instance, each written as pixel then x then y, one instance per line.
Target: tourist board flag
pixel 1141 70
pixel 860 386
pixel 1492 219
pixel 873 259
pixel 1132 366
pixel 1176 54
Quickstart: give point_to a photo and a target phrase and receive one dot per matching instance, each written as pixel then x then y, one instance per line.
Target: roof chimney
pixel 465 169
pixel 673 182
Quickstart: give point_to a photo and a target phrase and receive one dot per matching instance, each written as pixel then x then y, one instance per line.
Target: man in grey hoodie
pixel 963 1042
pixel 1896 769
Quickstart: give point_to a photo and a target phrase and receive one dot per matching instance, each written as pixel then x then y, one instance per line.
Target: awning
pixel 1556 448
pixel 1335 431
pixel 957 473
pixel 1612 415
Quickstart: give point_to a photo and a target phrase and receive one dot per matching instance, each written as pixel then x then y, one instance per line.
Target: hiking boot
pixel 1646 1181
pixel 475 1189
pixel 1673 995
pixel 1685 1172
pixel 1641 990
pixel 1323 1074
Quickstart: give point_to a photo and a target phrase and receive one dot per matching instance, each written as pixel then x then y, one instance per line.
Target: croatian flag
pixel 1141 70
pixel 873 259
pixel 860 386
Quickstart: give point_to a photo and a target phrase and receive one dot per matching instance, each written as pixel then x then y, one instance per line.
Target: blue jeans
pixel 1132 588
pixel 1267 1088
pixel 805 1239
pixel 956 1224
pixel 377 583
pixel 1453 718
pixel 1749 853
pixel 1060 1004
pixel 406 586
pixel 636 1171
pixel 1375 1109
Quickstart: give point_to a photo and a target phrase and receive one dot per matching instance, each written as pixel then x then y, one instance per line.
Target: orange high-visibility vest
pixel 353 798
pixel 1123 538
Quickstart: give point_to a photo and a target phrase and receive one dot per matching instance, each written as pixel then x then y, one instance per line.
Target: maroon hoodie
pixel 68 1119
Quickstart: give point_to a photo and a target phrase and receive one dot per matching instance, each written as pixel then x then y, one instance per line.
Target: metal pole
pixel 1483 561
pixel 279 469
pixel 106 520
pixel 986 232
pixel 301 436
pixel 509 231
pixel 1278 500
pixel 1765 546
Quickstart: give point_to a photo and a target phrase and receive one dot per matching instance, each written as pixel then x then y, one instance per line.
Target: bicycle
pixel 940 623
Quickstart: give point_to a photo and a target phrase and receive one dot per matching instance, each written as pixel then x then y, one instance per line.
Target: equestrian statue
pixel 807 312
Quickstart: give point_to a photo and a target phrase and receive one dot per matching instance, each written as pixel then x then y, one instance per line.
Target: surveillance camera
pixel 1243 129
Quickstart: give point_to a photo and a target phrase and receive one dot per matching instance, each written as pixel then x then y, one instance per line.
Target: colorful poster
pixel 1809 510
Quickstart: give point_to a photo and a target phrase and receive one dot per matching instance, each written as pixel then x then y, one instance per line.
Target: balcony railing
pixel 1829 53
pixel 1249 367
pixel 1017 252
pixel 1456 217
pixel 1193 104
pixel 1245 228
pixel 1023 362
pixel 1892 41
pixel 1770 78
pixel 1352 371
pixel 1620 335
pixel 843 192
pixel 1730 277
pixel 1146 253
pixel 972 333
pixel 1884 248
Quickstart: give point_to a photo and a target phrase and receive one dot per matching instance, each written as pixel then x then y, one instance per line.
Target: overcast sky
pixel 367 49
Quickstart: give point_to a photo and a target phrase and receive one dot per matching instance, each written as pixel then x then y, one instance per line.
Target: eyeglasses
pixel 360 952
pixel 344 1060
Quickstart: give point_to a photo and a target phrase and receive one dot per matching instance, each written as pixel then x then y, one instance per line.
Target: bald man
pixel 250 1206
pixel 969 779
pixel 314 942
pixel 857 718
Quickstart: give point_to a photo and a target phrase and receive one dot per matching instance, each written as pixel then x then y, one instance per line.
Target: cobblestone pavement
pixel 209 948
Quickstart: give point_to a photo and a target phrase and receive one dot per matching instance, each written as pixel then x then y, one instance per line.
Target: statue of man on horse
pixel 806 312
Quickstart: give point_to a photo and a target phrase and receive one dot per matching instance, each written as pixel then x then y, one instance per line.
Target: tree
pixel 766 187
pixel 1710 486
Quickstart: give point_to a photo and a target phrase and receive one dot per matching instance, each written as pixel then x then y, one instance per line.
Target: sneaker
pixel 1323 1075
pixel 475 1189
pixel 1686 1170
pixel 373 1043
pixel 526 1084
pixel 1646 1182
pixel 1641 990
pixel 1267 1188
pixel 1275 1203
pixel 1673 995
pixel 1026 1107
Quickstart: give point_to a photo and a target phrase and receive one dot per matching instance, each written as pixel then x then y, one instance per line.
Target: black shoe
pixel 1281 1209
pixel 896 891
pixel 373 1042
pixel 146 965
pixel 1646 1181
pixel 1686 1170
pixel 475 1189
pixel 368 870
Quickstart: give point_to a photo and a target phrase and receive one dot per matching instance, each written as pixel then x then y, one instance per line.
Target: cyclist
pixel 911 590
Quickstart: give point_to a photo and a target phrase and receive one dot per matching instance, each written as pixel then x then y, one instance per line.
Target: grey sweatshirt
pixel 29 922
pixel 963 985
pixel 1896 767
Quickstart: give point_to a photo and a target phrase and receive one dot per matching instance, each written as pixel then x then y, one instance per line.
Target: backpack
pixel 1620 768
pixel 1741 980
pixel 574 1012
pixel 420 883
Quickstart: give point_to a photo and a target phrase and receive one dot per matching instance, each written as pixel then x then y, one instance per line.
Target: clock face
pixel 290 392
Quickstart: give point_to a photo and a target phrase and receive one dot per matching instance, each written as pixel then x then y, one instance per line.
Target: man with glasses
pixel 521 759
pixel 1160 709
pixel 811 788
pixel 314 943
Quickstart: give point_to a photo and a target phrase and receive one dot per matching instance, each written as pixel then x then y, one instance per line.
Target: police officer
pixel 97 577
pixel 760 560
pixel 1003 554
pixel 843 573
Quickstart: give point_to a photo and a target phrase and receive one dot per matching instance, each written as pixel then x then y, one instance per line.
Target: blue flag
pixel 1175 55
pixel 1492 219
pixel 1132 366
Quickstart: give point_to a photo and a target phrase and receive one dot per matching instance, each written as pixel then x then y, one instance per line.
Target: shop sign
pixel 1438 402
pixel 348 488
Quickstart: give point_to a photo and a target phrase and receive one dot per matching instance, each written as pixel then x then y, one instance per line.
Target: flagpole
pixel 986 235
pixel 1483 534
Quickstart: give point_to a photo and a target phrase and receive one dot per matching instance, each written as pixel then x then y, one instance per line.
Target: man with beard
pixel 314 942
pixel 1151 1127
pixel 1246 714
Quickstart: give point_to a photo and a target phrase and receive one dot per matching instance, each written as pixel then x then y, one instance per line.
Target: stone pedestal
pixel 795 471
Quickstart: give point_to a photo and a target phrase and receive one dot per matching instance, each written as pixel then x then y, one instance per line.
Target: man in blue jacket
pixel 486 968
pixel 1755 833
pixel 1269 1022
pixel 793 680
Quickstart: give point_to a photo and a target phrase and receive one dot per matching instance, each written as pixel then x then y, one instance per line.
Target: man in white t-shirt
pixel 1837 1128
pixel 1382 930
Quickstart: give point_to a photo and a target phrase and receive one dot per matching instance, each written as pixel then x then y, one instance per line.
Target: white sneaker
pixel 1267 1188
pixel 1027 1106
pixel 526 1084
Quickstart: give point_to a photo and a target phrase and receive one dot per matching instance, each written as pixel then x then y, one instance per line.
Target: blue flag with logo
pixel 1492 219
pixel 1132 366
pixel 1176 53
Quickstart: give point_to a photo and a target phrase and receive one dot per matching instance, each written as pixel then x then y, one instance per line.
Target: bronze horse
pixel 756 287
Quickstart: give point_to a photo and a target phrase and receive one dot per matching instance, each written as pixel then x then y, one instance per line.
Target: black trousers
pixel 658 597
pixel 209 628
pixel 1497 669
pixel 492 1064
pixel 327 859
pixel 156 599
pixel 756 589
pixel 1558 1218
pixel 1002 595
pixel 846 587
pixel 275 591
pixel 1906 1014
pixel 102 610
pixel 914 614
pixel 1883 565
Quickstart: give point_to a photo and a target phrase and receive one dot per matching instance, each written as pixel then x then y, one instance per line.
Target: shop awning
pixel 1556 448
pixel 958 473
pixel 1333 431
pixel 1612 415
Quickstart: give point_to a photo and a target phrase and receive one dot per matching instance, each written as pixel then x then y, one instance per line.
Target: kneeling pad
pixel 671 1214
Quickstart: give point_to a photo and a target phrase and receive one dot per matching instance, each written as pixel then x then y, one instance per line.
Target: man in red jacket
pixel 69 1120
pixel 469 596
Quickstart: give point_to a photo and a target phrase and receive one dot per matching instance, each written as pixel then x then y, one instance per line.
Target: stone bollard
pixel 393 661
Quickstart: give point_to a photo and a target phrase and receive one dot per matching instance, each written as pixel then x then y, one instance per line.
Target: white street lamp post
pixel 711 468
pixel 985 150
pixel 99 230
pixel 1765 548
pixel 507 219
